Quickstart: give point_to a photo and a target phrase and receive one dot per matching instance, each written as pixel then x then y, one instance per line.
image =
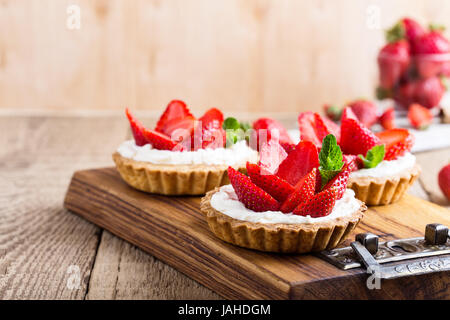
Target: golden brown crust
pixel 171 179
pixel 285 238
pixel 381 191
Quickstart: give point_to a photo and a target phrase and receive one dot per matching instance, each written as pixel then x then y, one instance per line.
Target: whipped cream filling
pixel 387 168
pixel 238 154
pixel 226 202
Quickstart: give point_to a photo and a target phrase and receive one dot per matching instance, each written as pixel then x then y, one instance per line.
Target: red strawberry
pixel 393 60
pixel 180 130
pixel 352 162
pixel 405 93
pixel 270 125
pixel 320 205
pixel 160 141
pixel 288 147
pixel 413 29
pixel 136 128
pixel 365 111
pixel 356 138
pixel 332 112
pixel 304 190
pixel 271 154
pixel 175 109
pixel 299 162
pixel 213 136
pixel 431 50
pixel 340 181
pixel 397 142
pixel 270 183
pixel 429 92
pixel 314 127
pixel 306 126
pixel 431 42
pixel 419 117
pixel 253 197
pixel 387 119
pixel 444 180
pixel 347 113
pixel 405 28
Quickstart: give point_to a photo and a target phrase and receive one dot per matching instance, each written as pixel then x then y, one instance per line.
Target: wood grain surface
pixel 174 230
pixel 38 157
pixel 252 55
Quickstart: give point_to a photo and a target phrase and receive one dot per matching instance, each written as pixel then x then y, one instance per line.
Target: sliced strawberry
pixel 176 109
pixel 213 136
pixel 339 181
pixel 179 128
pixel 288 147
pixel 313 127
pixel 270 183
pixel 160 141
pixel 396 141
pixel 332 127
pixel 387 119
pixel 270 125
pixel 320 205
pixel 304 190
pixel 347 113
pixel 306 126
pixel 352 162
pixel 299 162
pixel 356 138
pixel 136 128
pixel 252 196
pixel 320 127
pixel 271 154
pixel 419 117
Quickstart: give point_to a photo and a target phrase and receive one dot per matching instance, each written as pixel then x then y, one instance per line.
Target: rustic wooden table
pixel 48 253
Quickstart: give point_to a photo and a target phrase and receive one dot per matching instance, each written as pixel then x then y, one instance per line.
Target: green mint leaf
pixel 330 159
pixel 231 123
pixel 373 157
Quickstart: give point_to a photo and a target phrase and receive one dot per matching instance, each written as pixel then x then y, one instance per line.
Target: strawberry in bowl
pixel 182 155
pixel 382 166
pixel 412 64
pixel 301 205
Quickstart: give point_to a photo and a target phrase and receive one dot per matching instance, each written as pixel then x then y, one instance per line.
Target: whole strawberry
pixel 444 180
pixel 429 92
pixel 393 60
pixel 406 28
pixel 431 51
pixel 365 111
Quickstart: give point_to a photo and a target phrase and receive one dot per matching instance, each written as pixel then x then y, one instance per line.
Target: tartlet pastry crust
pixel 381 191
pixel 172 179
pixel 280 237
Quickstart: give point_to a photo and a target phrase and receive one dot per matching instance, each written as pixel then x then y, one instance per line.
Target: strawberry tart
pixel 182 155
pixel 382 167
pixel 290 203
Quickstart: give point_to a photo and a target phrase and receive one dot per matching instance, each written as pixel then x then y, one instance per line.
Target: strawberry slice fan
pixel 302 183
pixel 178 130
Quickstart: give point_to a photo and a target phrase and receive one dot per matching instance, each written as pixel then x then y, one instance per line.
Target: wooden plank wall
pixel 240 55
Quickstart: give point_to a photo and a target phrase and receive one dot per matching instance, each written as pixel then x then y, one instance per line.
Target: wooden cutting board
pixel 174 230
